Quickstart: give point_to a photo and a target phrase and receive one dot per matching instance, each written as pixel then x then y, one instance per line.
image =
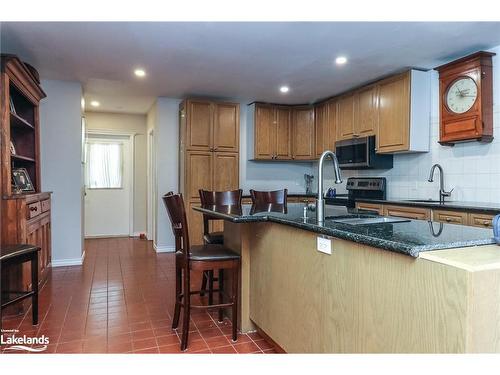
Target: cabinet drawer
pixel 480 220
pixel 408 212
pixel 46 205
pixel 34 209
pixel 378 208
pixel 452 217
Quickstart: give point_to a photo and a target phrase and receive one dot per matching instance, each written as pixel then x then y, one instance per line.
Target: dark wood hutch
pixel 25 217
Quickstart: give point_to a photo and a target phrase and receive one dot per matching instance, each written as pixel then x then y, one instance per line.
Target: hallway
pixel 121 301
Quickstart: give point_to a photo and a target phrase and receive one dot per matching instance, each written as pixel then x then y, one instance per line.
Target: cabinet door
pixel 303 133
pixel 199 125
pixel 199 167
pixel 364 113
pixel 332 125
pixel 265 132
pixel 394 114
pixel 226 127
pixel 415 213
pixel 226 167
pixel 345 117
pixel 452 217
pixel 322 135
pixel 283 120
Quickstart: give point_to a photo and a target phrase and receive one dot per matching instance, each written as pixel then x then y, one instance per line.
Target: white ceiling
pixel 247 61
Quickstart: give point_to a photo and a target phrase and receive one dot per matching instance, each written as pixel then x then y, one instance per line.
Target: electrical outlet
pixel 324 245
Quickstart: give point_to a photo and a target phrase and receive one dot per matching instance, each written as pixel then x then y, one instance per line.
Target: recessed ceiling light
pixel 95 103
pixel 139 72
pixel 284 89
pixel 340 60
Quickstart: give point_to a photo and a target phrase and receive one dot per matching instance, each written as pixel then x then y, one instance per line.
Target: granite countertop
pixel 409 238
pixel 291 194
pixel 479 207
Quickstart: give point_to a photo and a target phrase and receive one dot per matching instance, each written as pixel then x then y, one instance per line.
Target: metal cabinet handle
pixel 34 208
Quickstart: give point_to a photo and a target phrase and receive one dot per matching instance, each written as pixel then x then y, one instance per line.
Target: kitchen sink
pixel 368 220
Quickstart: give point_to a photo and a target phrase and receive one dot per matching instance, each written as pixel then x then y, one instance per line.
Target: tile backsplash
pixel 472 169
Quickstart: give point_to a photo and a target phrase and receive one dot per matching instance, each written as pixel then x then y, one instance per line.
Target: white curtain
pixel 104 165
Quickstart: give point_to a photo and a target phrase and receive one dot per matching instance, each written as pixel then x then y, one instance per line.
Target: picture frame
pixel 21 180
pixel 12 148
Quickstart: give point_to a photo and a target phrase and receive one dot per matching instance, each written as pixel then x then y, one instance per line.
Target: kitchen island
pixel 408 287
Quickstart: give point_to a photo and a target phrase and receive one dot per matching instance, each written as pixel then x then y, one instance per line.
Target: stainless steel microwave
pixel 360 153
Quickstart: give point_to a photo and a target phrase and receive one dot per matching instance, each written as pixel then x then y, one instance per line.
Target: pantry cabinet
pixel 208 154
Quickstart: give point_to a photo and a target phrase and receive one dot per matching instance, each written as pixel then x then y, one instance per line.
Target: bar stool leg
pixel 178 286
pixel 211 287
pixel 34 286
pixel 204 283
pixel 187 308
pixel 234 299
pixel 221 294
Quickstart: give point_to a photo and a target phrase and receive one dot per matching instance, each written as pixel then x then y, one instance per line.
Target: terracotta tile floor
pixel 121 301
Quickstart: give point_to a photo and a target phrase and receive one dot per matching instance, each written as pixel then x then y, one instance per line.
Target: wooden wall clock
pixel 466 99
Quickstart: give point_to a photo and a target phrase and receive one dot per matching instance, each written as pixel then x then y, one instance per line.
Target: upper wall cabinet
pixel 356 113
pixel 212 126
pixel 324 127
pixel 403 114
pixel 272 132
pixel 303 133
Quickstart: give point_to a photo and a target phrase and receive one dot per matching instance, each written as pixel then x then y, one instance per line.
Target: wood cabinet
pixel 403 113
pixel 345 117
pixel 451 217
pixel 324 127
pixel 480 220
pixel 365 106
pixel 26 219
pixel 25 216
pixel 303 133
pixel 208 160
pixel 272 132
pixel 420 213
pixel 416 213
pixel 378 208
pixel 211 126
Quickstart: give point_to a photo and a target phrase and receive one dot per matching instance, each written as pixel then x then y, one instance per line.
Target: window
pixel 104 165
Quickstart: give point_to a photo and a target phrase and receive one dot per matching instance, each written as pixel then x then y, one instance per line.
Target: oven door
pixel 353 153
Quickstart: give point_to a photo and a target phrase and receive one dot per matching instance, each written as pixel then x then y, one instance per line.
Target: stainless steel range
pixel 360 187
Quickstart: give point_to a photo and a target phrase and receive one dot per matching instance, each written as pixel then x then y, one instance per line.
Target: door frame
pixel 131 178
pixel 151 188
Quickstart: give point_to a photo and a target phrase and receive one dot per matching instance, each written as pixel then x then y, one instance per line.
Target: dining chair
pixel 269 197
pixel 215 198
pixel 199 258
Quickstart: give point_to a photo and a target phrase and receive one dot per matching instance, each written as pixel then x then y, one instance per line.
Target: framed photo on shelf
pixel 12 148
pixel 21 180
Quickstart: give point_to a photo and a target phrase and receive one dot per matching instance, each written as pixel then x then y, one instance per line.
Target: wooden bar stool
pixel 198 258
pixel 14 255
pixel 215 198
pixel 269 197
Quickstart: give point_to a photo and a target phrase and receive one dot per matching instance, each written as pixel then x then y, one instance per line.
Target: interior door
pixel 108 186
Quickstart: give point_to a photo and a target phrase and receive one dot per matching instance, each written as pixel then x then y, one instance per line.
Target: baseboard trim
pixel 68 262
pixel 107 236
pixel 163 248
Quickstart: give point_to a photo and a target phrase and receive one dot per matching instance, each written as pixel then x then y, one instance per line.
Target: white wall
pixel 131 124
pixel 472 169
pixel 60 141
pixel 163 117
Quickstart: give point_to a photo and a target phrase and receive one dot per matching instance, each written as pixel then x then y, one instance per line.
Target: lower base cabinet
pixel 419 213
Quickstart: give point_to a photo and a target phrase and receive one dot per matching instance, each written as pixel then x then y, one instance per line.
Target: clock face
pixel 461 95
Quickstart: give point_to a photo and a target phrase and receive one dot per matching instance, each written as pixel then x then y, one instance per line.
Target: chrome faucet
pixel 320 201
pixel 442 192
